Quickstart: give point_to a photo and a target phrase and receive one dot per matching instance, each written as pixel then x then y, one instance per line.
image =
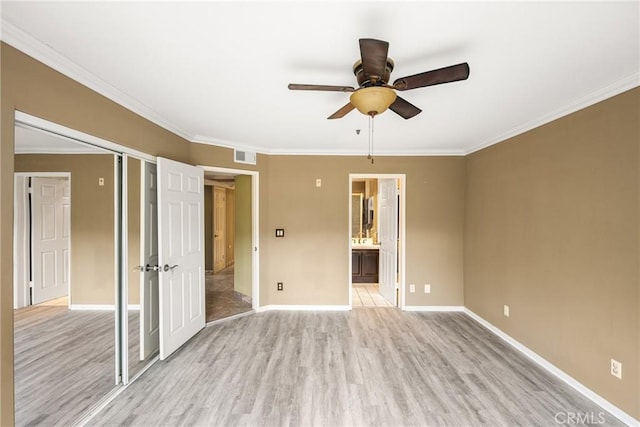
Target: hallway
pixel 221 298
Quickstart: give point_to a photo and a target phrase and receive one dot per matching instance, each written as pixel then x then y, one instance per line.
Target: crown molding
pixel 218 142
pixel 299 152
pixel 363 153
pixel 594 97
pixel 33 47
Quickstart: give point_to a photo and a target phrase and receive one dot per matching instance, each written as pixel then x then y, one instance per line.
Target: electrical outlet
pixel 616 368
pixel 280 286
pixel 101 182
pixel 506 310
pixel 427 288
pixel 412 288
pixel 318 182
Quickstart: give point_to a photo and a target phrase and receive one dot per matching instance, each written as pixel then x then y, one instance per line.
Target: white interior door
pixel 149 278
pixel 50 211
pixel 388 236
pixel 219 228
pixel 181 253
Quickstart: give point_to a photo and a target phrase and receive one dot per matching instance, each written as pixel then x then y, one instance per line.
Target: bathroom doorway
pixel 377 240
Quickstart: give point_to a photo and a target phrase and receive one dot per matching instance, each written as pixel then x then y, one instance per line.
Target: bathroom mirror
pixel 356 215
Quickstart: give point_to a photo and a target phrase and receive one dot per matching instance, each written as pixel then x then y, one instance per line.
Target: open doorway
pixel 377 227
pixel 230 242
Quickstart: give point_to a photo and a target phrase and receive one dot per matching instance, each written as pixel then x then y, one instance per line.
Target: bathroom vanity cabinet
pixel 364 265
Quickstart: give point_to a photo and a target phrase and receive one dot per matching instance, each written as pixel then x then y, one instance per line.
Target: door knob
pixel 141 268
pixel 167 267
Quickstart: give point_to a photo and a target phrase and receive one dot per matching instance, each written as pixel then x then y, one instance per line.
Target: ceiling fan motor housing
pixel 366 80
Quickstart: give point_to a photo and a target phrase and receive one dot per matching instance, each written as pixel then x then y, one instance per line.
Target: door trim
pixel 402 235
pixel 22 118
pixel 255 226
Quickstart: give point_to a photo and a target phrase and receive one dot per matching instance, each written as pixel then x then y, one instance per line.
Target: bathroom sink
pixel 364 246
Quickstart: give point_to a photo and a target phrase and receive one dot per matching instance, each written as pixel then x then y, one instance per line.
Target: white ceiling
pixel 217 72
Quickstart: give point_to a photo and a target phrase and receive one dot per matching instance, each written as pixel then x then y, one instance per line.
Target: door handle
pixel 167 267
pixel 142 268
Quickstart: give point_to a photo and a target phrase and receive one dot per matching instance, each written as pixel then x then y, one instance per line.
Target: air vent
pixel 248 157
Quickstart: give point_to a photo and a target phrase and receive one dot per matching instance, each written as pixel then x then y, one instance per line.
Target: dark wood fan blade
pixel 326 88
pixel 374 58
pixel 342 112
pixel 453 73
pixel 404 108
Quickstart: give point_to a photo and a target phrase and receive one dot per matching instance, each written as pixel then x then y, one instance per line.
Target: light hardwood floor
pixel 374 366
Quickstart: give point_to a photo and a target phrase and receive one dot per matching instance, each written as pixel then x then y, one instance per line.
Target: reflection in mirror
pixel 367 190
pixel 64 283
pixel 356 215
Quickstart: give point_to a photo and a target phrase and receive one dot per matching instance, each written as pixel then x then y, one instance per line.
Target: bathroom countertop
pixel 364 246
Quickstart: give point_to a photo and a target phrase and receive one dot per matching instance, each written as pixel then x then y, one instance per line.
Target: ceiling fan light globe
pixel 374 100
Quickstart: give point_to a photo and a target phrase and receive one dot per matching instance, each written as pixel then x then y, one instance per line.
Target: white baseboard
pixel 100 307
pixel 303 308
pixel 560 374
pixel 433 308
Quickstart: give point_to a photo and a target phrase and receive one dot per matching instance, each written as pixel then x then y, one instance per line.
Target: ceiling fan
pixel 374 93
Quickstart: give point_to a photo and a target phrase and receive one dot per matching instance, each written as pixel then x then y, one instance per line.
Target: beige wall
pixel 552 230
pixel 312 260
pixel 92 221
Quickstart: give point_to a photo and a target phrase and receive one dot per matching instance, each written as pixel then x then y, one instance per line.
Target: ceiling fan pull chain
pixel 370 156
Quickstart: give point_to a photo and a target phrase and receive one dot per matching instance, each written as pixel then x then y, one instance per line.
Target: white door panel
pixel 181 253
pixel 150 302
pixel 219 225
pixel 388 236
pixel 50 238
